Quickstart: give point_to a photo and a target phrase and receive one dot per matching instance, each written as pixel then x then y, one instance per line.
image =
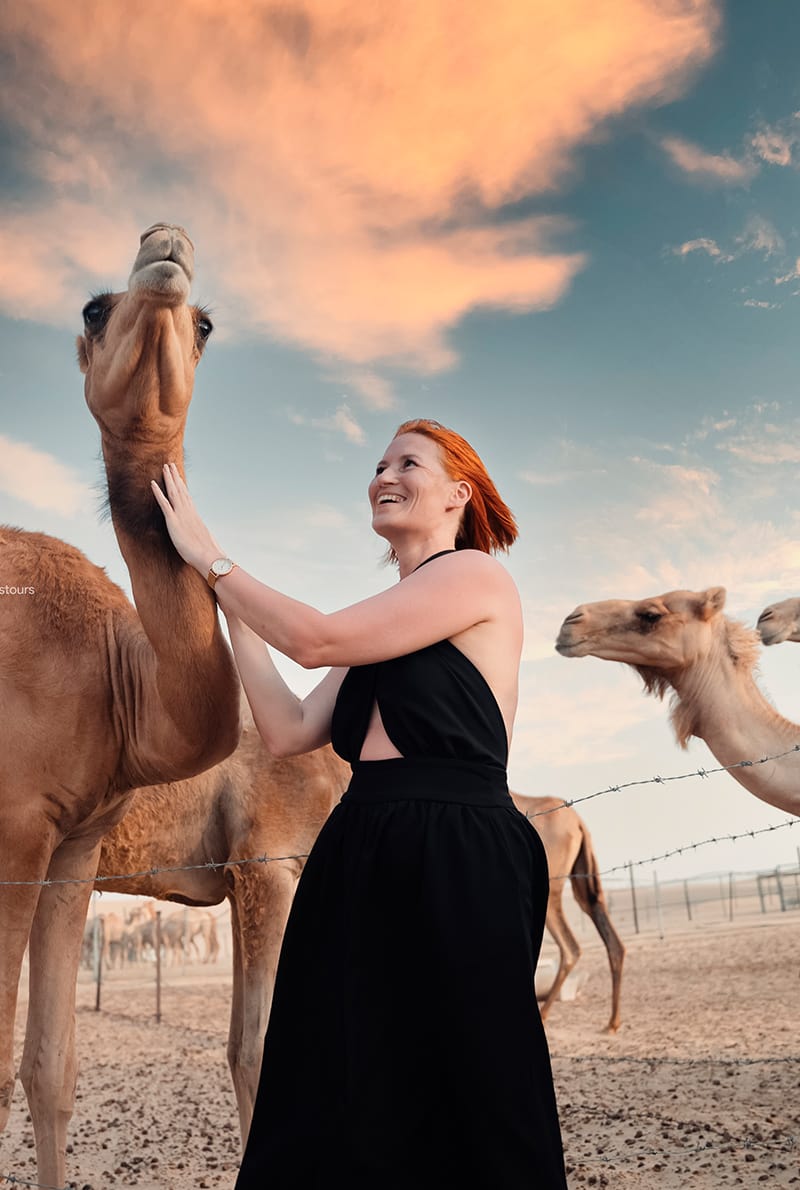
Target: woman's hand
pixel 189 534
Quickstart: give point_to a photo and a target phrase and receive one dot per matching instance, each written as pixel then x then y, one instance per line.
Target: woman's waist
pixel 472 783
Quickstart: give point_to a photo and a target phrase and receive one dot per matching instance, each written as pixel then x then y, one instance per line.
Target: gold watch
pixel 219 568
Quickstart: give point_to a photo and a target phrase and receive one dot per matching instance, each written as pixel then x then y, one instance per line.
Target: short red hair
pixel 488 523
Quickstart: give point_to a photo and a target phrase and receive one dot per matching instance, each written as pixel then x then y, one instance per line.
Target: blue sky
pixel 567 229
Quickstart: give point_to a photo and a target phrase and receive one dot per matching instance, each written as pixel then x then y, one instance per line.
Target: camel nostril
pixel 574 618
pixel 765 615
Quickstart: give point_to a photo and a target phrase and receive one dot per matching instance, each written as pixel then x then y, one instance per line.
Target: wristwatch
pixel 219 568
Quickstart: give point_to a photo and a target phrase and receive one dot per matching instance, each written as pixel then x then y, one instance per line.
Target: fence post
pixel 158 966
pixel 687 899
pixel 730 896
pixel 658 906
pixel 633 897
pixel 98 940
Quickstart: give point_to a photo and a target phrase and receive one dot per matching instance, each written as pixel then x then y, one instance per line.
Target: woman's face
pixel 410 489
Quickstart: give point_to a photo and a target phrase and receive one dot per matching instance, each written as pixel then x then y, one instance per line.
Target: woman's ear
pixel 462 493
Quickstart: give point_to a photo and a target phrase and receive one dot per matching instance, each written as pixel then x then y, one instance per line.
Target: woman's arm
pixel 287 724
pixel 445 598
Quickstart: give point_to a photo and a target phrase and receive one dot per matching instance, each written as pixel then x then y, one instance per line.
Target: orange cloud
pixel 341 166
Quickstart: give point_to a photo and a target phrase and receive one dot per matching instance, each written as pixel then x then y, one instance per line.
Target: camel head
pixel 780 622
pixel 664 633
pixel 139 349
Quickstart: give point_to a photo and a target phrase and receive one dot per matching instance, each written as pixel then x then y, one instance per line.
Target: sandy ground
pixel 699 1089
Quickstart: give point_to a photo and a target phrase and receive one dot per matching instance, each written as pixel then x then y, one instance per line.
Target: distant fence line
pixel 212 865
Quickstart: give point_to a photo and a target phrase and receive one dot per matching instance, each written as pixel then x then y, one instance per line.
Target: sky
pixel 566 228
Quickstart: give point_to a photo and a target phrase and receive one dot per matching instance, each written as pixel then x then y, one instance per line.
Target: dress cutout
pixel 405 1050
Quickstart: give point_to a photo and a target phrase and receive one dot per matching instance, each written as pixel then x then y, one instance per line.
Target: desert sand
pixel 700 1088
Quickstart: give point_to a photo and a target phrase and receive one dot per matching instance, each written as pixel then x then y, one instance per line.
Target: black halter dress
pixel 405 1049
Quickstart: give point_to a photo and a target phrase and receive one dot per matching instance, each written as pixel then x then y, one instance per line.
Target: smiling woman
pixel 416 926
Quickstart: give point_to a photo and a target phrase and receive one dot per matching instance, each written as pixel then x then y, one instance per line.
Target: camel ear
pixel 83 355
pixel 711 602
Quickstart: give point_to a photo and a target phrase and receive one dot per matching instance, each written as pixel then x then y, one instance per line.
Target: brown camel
pixel 250 805
pixel 570 855
pixel 97 699
pixel 682 642
pixel 780 622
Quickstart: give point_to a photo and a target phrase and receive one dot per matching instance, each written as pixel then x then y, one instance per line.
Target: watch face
pixel 221 566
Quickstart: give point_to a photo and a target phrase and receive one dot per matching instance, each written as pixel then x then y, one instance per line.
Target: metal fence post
pixel 633 897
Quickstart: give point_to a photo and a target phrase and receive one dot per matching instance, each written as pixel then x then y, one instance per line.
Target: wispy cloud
pixel 340 166
pixel 39 479
pixel 339 422
pixel 710 247
pixel 775 144
pixel 759 235
pixel 721 168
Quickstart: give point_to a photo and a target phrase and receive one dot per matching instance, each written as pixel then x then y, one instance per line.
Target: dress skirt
pixel 405 1050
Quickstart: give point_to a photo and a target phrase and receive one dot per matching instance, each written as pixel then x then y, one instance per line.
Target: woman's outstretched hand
pixel 189 534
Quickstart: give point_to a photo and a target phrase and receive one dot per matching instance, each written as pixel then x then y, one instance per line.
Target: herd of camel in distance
pixel 123 748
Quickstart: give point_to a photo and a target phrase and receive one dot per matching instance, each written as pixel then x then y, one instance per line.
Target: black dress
pixel 405 1049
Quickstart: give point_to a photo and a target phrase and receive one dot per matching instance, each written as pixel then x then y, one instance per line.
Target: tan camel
pixel 682 642
pixel 570 856
pixel 98 699
pixel 780 622
pixel 250 805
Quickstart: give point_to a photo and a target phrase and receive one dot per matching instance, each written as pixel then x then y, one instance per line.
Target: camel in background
pixel 99 698
pixel 780 622
pixel 682 642
pixel 570 856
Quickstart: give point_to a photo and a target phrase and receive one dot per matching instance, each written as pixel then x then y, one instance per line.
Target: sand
pixel 700 1088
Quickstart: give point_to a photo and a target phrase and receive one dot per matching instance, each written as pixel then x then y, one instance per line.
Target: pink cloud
pixel 339 166
pixel 709 167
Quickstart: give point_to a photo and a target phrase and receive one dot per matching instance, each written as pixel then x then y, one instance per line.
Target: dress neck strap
pixel 432 558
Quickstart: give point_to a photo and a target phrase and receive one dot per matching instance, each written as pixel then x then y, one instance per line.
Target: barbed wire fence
pixel 781 1141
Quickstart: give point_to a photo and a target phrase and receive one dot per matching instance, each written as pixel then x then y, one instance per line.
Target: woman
pixel 405 1048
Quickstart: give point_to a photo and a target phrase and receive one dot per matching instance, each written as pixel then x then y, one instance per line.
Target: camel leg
pixel 616 956
pixel 49 1064
pixel 568 949
pixel 25 858
pixel 588 893
pixel 260 902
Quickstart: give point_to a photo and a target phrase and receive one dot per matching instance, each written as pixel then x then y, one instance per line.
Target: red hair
pixel 487 523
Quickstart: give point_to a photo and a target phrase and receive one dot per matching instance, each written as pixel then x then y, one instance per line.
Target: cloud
pixel 340 422
pixel 39 479
pixel 761 305
pixel 702 245
pixel 707 167
pixel 760 236
pixel 773 148
pixel 345 169
pixel 775 143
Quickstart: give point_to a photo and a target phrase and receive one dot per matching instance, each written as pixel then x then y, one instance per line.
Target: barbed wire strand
pixel 701 772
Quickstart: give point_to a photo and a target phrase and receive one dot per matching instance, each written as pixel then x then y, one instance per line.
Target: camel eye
pixel 95 313
pixel 649 619
pixel 204 326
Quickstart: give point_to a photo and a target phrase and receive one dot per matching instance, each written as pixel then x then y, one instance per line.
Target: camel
pixel 681 641
pixel 100 698
pixel 780 622
pixel 570 855
pixel 249 805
